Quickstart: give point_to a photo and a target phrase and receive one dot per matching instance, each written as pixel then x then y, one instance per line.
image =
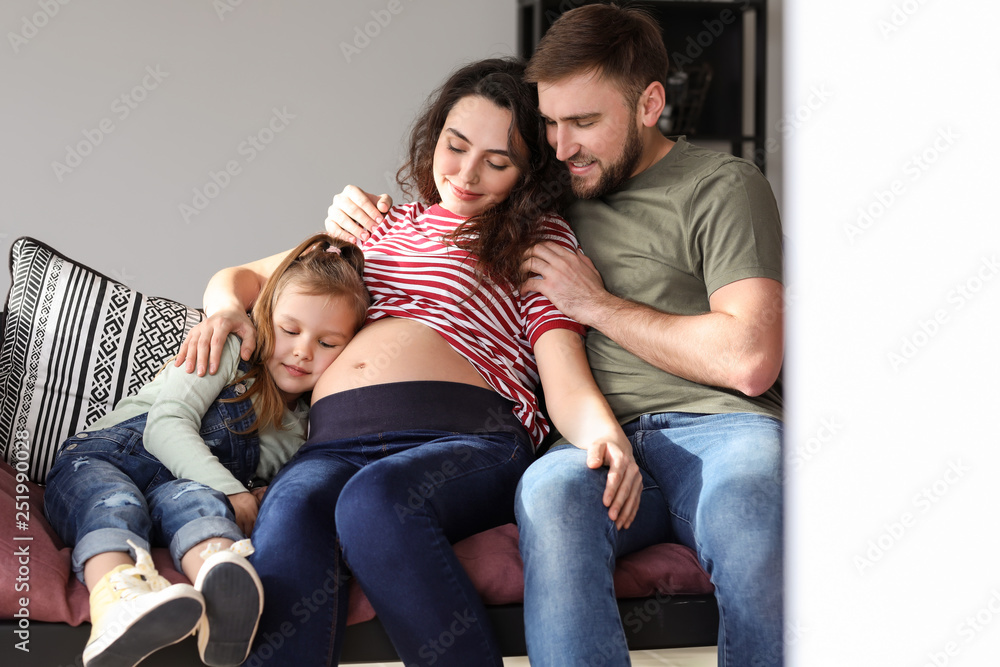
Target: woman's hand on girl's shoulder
pixel 202 347
pixel 355 213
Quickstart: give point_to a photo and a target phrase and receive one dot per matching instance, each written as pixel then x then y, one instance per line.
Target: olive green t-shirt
pixel 693 222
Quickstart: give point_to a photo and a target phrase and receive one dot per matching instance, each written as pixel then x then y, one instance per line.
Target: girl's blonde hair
pixel 319 266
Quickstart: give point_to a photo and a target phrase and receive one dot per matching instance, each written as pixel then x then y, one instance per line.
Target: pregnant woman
pixel 421 428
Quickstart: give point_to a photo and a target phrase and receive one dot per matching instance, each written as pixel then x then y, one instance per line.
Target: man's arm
pixel 738 344
pixel 228 296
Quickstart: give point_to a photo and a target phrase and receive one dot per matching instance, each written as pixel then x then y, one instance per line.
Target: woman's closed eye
pixel 493 165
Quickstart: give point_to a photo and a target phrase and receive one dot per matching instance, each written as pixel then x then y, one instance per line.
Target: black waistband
pixel 419 405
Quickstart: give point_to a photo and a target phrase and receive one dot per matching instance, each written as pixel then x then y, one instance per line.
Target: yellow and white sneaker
pixel 234 600
pixel 135 611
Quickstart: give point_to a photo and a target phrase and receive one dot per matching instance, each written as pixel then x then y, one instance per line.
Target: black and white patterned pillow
pixel 74 343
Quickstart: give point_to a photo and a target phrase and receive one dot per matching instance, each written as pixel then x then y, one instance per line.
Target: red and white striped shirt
pixel 413 271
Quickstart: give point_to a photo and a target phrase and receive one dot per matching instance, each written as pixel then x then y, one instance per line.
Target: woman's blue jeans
pixel 105 488
pixel 389 505
pixel 711 482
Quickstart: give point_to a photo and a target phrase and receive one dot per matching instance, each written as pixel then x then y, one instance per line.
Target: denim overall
pixel 105 488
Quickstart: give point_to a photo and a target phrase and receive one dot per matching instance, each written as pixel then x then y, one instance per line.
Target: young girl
pixel 180 464
pixel 420 431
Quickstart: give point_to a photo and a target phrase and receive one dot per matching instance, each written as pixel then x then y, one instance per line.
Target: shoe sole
pixel 162 626
pixel 234 600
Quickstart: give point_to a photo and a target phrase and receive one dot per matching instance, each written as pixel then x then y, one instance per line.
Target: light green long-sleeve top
pixel 177 401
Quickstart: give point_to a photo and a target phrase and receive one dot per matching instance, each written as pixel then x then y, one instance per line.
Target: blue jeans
pixel 711 482
pixel 388 505
pixel 105 488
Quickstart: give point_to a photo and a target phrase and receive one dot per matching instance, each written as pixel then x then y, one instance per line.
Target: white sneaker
pixel 135 611
pixel 234 600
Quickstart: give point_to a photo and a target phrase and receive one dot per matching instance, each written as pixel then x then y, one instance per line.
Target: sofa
pixel 75 341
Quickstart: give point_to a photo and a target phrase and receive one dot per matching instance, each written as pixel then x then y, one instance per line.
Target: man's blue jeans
pixel 389 504
pixel 711 482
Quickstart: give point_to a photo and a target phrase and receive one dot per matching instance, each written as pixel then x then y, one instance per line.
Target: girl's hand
pixel 624 486
pixel 245 506
pixel 204 342
pixel 258 493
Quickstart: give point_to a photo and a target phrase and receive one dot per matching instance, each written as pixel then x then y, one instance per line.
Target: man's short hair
pixel 622 44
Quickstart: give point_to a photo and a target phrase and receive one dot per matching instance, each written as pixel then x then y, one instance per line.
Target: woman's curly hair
pixel 499 236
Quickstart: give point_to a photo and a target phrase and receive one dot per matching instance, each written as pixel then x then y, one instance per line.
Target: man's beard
pixel 616 173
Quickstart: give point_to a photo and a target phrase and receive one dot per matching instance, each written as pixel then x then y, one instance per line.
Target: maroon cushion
pixel 39 565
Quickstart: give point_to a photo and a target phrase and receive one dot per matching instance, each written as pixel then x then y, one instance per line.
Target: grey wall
pixel 115 113
pixel 134 146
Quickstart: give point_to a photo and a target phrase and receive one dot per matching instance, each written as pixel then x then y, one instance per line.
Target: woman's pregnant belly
pixel 396 350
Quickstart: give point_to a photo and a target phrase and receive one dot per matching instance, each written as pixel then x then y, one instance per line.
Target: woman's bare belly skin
pixel 395 350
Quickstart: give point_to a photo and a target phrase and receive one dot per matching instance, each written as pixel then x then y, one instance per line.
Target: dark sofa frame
pixel 656 622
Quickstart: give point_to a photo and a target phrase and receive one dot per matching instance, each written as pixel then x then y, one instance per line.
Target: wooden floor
pixel 680 657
